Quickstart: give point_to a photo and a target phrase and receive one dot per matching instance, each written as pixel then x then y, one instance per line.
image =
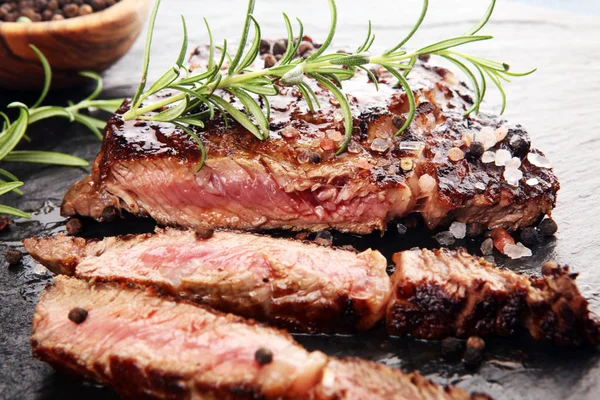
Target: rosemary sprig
pixel 194 98
pixel 14 131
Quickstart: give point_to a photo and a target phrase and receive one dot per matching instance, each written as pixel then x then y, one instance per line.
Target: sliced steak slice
pixel 300 286
pixel 443 293
pixel 145 346
pixel 356 379
pixel 294 181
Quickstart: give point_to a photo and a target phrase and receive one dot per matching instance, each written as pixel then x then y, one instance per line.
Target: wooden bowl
pixel 91 42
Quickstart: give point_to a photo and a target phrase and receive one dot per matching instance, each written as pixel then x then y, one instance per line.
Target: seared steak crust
pixel 145 346
pixel 444 293
pixel 295 181
pixel 299 286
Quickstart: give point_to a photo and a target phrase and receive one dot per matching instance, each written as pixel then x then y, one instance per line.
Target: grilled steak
pixel 444 293
pixel 302 287
pixel 145 346
pixel 355 379
pixel 295 181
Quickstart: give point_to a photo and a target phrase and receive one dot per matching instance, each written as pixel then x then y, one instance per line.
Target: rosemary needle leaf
pixel 413 30
pixel 471 77
pixel 184 44
pixel 237 115
pixel 449 43
pixel 171 113
pixel 96 77
pixel 13 211
pixel 254 109
pixel 240 50
pixel 46 157
pixel 364 45
pixel 8 175
pixel 211 46
pixel 330 35
pixel 49 112
pixel 484 20
pixel 93 124
pixel 307 98
pixel 164 81
pixel 289 51
pixel 252 52
pixel 198 142
pixel 498 84
pixel 146 62
pixel 371 75
pixel 409 95
pixel 15 190
pixel 109 106
pixel 341 98
pixel 9 186
pixel 13 135
pixel 47 76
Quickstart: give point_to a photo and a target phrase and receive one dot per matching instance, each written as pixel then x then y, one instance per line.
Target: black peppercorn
pixel 529 236
pixel 13 256
pixel 452 348
pixel 398 121
pixel 519 146
pixel 474 352
pixel 71 10
pixel 548 227
pixel 265 46
pixel 202 232
pixel 476 150
pixel 109 213
pixel 474 230
pixel 304 48
pixel 315 158
pixel 73 226
pixel 78 315
pixel 279 47
pixel 402 229
pixel 270 61
pixel 263 356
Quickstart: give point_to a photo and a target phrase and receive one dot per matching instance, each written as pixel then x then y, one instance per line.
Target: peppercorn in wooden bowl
pixel 83 41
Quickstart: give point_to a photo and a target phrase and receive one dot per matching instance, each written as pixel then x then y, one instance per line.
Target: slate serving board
pixel 558 105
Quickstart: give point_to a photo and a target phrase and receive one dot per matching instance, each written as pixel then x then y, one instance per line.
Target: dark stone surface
pixel 558 105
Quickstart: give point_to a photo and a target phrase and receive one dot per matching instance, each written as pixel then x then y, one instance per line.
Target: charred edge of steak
pixel 559 314
pixel 466 300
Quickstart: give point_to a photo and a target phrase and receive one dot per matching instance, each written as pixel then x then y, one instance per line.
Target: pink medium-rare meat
pixel 443 293
pixel 294 181
pixel 300 286
pixel 146 346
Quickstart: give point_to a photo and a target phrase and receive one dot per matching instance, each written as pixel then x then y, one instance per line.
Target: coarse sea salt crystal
pixel 487 137
pixel 488 157
pixel 480 186
pixel 445 238
pixel 539 161
pixel 532 181
pixel 502 157
pixel 427 183
pixel 516 251
pixel 487 246
pixel 513 163
pixel 513 176
pixel 501 133
pixel 458 229
pixel 381 145
pixel 410 145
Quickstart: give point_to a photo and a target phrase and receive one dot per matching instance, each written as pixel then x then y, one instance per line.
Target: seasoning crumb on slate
pixel 203 233
pixel 474 229
pixel 263 356
pixel 324 238
pixel 474 352
pixel 4 223
pixel 28 11
pixel 452 348
pixel 78 315
pixel 74 226
pixel 13 256
pixel 548 227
